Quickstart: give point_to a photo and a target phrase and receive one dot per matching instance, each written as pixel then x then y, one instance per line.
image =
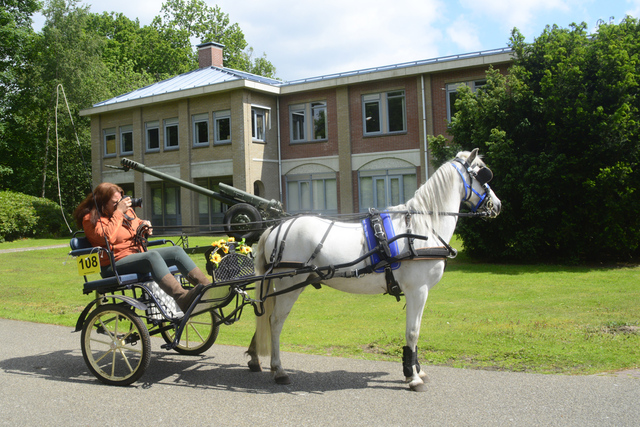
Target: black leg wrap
pixel 409 358
pixel 418 368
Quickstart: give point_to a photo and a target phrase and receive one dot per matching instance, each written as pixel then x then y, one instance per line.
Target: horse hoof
pixel 284 380
pixel 255 367
pixel 420 387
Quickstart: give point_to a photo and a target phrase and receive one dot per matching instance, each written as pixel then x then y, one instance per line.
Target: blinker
pixel 484 175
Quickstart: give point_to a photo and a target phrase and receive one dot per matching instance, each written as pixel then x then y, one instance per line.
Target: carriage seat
pixel 80 246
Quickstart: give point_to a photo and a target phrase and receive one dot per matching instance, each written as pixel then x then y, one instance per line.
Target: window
pixel 126 139
pixel 109 142
pixel 153 136
pixel 165 209
pixel 222 127
pixel 128 189
pixel 312 193
pixel 210 210
pixel 171 134
pixel 452 94
pixel 384 113
pixel 200 130
pixel 308 122
pixel 380 189
pixel 297 114
pixel 258 126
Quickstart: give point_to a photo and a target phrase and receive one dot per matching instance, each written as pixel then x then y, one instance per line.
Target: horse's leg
pixel 416 300
pixel 252 352
pixel 283 305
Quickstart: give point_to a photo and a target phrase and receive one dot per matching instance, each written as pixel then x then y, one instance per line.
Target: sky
pixel 304 39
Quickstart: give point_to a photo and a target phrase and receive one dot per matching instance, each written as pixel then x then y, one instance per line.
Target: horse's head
pixel 475 177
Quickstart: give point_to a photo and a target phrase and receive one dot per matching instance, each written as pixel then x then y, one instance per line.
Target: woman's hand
pixel 148 224
pixel 124 204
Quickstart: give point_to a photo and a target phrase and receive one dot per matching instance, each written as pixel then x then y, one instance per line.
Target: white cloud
pixel 633 9
pixel 520 13
pixel 464 34
pixel 338 35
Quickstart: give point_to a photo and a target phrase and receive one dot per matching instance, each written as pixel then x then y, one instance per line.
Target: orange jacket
pixel 119 231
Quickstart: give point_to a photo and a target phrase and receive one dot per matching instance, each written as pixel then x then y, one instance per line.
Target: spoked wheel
pixel 198 335
pixel 115 344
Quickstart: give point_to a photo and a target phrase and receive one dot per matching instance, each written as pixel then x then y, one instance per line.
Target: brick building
pixel 333 144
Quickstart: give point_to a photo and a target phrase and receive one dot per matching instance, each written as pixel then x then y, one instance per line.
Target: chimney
pixel 210 54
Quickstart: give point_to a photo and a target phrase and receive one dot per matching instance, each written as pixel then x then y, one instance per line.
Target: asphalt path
pixel 44 381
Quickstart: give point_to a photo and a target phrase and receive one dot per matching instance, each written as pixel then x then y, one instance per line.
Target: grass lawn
pixel 547 319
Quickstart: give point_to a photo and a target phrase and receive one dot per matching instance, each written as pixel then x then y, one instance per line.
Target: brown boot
pixel 197 277
pixel 184 302
pixel 174 289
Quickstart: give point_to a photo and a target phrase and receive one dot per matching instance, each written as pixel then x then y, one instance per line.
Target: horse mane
pixel 430 197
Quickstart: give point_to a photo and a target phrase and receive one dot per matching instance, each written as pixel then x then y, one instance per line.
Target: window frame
pixel 109 132
pixel 387 175
pixel 150 126
pixel 302 122
pixel 383 117
pixel 255 113
pixel 328 207
pixel 218 116
pixel 197 119
pixel 128 129
pixel 169 123
pixel 164 218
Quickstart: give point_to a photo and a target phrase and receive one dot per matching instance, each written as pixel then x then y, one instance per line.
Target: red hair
pixel 95 202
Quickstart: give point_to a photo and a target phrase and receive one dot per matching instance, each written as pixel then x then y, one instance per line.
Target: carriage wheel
pixel 199 334
pixel 115 344
pixel 243 221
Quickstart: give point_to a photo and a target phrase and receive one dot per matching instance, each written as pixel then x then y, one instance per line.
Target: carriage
pixel 128 309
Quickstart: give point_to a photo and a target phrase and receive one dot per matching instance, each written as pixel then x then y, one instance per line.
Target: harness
pixel 382 242
pixel 483 175
pixel 383 253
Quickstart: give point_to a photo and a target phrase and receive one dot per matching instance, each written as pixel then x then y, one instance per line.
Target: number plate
pixel 88 264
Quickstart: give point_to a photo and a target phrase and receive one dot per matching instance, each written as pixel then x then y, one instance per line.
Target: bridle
pixel 483 175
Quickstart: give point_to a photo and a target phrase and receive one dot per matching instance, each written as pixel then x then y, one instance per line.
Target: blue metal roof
pixel 193 79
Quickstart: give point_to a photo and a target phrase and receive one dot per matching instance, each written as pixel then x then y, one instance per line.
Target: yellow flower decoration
pixel 216 258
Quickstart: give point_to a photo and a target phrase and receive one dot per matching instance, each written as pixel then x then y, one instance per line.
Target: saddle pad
pixel 372 242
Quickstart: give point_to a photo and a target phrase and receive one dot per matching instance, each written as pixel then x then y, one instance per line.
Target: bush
pixel 28 216
pixel 561 134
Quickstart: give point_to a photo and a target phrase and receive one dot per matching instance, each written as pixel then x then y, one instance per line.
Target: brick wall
pixel 309 149
pixel 381 143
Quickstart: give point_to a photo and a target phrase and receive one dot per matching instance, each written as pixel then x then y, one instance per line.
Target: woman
pixel 109 221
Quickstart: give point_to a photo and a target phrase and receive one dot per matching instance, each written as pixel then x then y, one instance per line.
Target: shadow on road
pixel 204 371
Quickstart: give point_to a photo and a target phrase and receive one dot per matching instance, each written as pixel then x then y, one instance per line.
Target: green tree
pixel 560 132
pixel 186 19
pixel 63 55
pixel 15 35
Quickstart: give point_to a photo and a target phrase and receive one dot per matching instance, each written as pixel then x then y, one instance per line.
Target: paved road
pixel 43 380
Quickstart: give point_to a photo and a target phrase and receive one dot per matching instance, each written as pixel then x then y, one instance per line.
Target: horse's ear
pixel 472 156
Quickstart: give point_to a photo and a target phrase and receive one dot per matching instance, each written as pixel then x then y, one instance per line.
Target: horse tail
pixel 263 323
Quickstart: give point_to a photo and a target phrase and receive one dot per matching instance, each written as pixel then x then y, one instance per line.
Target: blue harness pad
pixel 372 242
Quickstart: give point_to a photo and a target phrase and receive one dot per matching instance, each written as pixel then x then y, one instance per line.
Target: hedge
pixel 22 216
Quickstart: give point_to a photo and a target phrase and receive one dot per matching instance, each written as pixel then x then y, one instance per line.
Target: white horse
pixel 432 212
